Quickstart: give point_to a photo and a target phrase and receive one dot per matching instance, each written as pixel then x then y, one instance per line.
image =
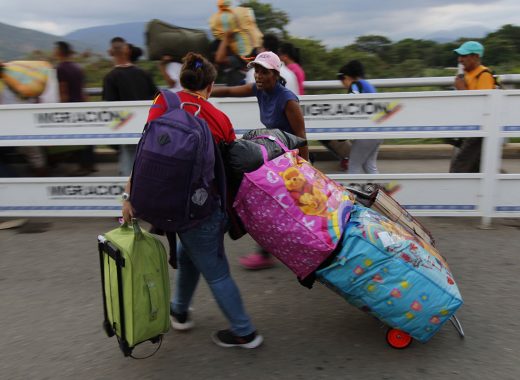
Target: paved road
pixel 51 311
pixel 51 316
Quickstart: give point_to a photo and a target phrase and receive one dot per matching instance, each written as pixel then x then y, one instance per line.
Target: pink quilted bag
pixel 293 210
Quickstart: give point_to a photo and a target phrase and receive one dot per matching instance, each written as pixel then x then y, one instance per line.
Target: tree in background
pixel 373 44
pixel 503 47
pixel 312 53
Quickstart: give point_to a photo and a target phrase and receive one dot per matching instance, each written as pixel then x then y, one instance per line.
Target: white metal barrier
pixel 508 80
pixel 492 115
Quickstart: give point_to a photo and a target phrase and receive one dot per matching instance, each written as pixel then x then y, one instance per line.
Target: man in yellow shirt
pixel 475 77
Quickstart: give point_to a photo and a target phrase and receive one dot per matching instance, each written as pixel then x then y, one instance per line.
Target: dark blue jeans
pixel 201 251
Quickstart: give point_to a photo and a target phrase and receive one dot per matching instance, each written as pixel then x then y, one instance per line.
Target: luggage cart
pixel 399 339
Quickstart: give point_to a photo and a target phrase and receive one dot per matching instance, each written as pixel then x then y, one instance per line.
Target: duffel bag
pixel 293 210
pixel 166 39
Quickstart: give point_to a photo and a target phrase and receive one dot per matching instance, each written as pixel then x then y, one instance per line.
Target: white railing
pixel 508 80
pixel 493 115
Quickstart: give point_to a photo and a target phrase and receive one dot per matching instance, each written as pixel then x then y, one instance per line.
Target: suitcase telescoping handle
pixel 106 323
pixel 111 250
pixel 105 247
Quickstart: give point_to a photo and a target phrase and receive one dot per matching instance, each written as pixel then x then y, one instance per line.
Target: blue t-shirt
pixel 367 87
pixel 272 107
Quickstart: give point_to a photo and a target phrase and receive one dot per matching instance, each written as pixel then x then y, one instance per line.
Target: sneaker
pixel 225 338
pixel 181 321
pixel 256 261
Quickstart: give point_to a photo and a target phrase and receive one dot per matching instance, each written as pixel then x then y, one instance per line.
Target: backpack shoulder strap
pixel 171 102
pixel 495 78
pixel 172 99
pixel 220 176
pixel 484 71
pixel 357 85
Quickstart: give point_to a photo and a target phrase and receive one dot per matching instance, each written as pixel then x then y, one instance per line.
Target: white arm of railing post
pixel 491 158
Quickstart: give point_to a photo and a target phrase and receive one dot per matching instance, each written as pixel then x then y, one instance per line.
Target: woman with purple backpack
pixel 201 248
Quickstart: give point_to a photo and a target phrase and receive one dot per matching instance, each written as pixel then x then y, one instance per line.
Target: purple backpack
pixel 174 169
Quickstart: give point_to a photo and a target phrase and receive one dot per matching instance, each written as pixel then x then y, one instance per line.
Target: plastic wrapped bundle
pixel 387 271
pixel 165 39
pixel 244 155
pixel 241 21
pixel 27 79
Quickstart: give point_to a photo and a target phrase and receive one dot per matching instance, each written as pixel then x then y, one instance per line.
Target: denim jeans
pixel 201 251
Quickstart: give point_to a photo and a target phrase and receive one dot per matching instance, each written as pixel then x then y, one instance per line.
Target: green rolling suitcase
pixel 135 286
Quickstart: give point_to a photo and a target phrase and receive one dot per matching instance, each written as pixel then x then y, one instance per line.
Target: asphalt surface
pixel 51 314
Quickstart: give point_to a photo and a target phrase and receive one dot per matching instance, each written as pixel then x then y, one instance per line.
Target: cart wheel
pixel 398 339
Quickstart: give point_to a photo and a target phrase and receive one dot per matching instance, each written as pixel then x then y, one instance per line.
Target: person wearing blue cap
pixel 475 77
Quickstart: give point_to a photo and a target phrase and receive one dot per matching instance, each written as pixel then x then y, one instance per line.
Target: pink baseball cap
pixel 267 59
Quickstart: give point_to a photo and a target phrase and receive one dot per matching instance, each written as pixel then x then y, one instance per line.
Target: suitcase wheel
pixel 398 339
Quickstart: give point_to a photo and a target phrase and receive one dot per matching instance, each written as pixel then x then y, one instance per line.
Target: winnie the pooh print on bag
pixel 309 198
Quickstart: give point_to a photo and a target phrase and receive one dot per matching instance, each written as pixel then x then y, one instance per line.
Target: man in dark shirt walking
pixel 71 80
pixel 126 82
pixel 70 75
